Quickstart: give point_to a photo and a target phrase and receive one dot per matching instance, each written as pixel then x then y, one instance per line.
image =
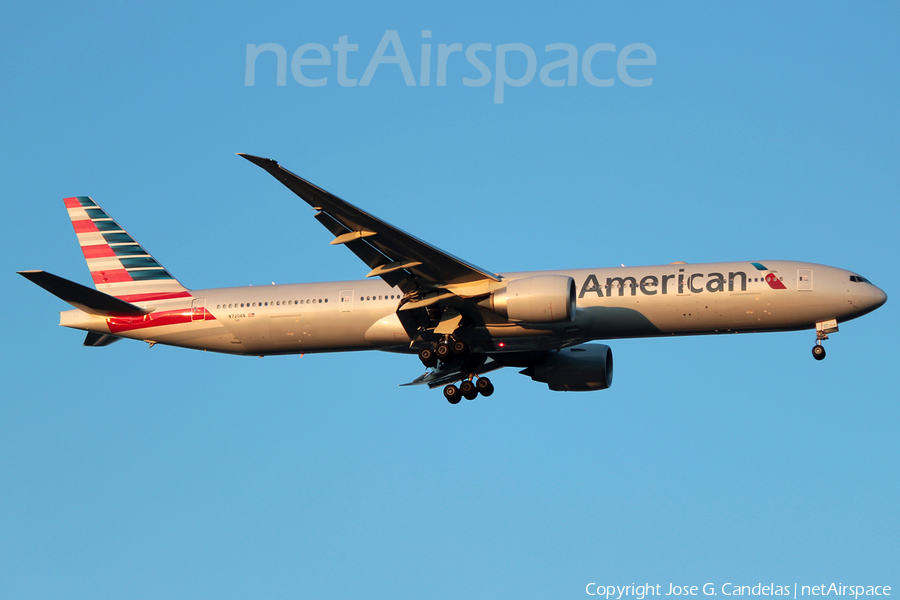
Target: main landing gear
pixel 468 390
pixel 443 350
pixel 449 349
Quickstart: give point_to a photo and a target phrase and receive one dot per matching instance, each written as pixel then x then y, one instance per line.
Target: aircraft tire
pixel 468 391
pixel 459 347
pixel 484 387
pixel 818 352
pixel 451 393
pixel 442 351
pixel 427 356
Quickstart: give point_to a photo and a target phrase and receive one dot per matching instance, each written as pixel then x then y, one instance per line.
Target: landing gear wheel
pixel 451 393
pixel 427 356
pixel 459 347
pixel 818 352
pixel 442 351
pixel 467 389
pixel 484 387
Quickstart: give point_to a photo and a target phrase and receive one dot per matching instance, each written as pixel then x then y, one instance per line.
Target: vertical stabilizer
pixel 119 266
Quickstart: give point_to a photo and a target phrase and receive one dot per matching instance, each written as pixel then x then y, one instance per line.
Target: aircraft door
pixel 198 309
pixel 346 303
pixel 804 279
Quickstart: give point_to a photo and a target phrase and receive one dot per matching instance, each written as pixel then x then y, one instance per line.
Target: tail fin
pixel 119 266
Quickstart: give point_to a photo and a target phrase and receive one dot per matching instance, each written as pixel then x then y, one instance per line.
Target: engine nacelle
pixel 538 299
pixel 582 368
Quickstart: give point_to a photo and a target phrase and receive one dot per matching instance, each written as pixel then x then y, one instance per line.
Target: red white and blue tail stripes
pixel 119 266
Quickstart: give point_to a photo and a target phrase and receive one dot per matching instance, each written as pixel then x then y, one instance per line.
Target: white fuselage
pixel 625 302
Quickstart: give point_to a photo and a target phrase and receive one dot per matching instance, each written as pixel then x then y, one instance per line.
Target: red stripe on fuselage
pixel 153 296
pixel 169 317
pixel 85 226
pixel 98 251
pixel 111 276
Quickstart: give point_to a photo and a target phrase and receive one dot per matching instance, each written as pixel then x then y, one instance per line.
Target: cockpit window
pixel 859 279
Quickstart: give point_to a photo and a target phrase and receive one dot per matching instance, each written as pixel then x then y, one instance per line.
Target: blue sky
pixel 769 132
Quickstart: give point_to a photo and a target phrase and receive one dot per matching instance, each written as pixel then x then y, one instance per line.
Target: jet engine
pixel 582 368
pixel 538 299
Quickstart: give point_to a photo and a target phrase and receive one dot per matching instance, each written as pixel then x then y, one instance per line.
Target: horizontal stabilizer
pixel 81 297
pixel 100 339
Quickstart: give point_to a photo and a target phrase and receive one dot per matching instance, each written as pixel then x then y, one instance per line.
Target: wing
pixel 399 258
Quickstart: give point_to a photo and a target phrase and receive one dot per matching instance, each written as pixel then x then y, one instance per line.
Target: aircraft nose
pixel 878 297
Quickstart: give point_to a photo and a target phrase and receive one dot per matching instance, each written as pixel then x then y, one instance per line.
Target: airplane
pixel 461 320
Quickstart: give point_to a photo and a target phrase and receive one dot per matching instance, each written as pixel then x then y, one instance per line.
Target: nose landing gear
pixel 818 351
pixel 823 328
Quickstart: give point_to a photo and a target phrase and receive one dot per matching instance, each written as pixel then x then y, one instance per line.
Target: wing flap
pixel 367 253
